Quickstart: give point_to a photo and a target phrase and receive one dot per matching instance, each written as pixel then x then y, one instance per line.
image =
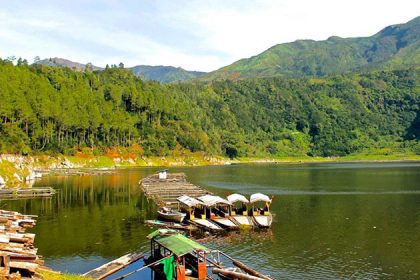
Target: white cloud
pixel 196 35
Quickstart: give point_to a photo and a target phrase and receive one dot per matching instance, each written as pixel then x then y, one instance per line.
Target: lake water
pixel 332 220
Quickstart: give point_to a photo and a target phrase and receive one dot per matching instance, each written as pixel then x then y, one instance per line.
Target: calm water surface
pixel 332 221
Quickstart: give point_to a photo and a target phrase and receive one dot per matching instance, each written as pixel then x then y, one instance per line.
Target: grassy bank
pixel 350 158
pixel 51 275
pixel 18 170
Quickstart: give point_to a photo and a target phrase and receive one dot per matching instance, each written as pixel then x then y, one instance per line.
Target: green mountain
pixel 165 74
pixel 396 46
pixel 47 109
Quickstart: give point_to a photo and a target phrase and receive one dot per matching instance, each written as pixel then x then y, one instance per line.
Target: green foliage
pixel 59 110
pixel 52 275
pixel 165 74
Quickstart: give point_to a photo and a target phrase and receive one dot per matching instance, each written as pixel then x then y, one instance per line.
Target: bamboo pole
pixel 235 275
pixel 141 268
pixel 249 270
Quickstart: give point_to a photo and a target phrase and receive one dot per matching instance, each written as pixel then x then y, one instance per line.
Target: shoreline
pixel 17 170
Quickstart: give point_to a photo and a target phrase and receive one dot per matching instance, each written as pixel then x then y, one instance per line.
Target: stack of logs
pixel 18 256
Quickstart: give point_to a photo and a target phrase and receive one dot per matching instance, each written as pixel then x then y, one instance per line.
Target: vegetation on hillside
pixel 165 74
pixel 58 110
pixel 394 47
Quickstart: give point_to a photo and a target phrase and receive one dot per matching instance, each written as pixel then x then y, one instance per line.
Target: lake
pixel 332 220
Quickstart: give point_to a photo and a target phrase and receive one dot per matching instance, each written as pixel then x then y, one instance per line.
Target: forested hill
pixel 62 62
pixel 50 109
pixel 163 74
pixel 394 47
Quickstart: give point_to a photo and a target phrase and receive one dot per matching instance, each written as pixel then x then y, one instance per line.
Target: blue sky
pixel 196 35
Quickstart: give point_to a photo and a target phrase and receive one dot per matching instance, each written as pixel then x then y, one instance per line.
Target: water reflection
pixel 346 221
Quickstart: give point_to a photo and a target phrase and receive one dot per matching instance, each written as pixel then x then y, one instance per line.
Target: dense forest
pixel 59 110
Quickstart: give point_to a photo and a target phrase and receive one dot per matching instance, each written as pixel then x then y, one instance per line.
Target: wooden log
pixel 113 266
pixel 22 256
pixel 20 237
pixel 12 245
pixel 235 275
pixel 249 270
pixel 32 267
pixel 4 238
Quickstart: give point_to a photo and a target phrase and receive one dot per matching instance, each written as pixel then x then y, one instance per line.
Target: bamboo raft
pixel 26 192
pixel 17 251
pixel 166 191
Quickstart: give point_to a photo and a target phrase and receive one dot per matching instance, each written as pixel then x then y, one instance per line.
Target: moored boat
pixel 216 210
pixel 196 213
pixel 205 224
pixel 261 215
pixel 174 256
pixel 172 215
pixel 170 225
pixel 238 213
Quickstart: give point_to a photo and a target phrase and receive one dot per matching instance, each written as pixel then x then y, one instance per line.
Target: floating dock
pixel 165 191
pixel 26 192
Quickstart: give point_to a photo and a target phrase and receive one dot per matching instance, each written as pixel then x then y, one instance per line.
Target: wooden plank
pixel 32 267
pixel 113 266
pixel 23 192
pixel 4 238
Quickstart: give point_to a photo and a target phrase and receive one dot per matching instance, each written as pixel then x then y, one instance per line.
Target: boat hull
pixel 243 221
pixel 263 221
pixel 206 224
pixel 171 225
pixel 225 223
pixel 172 217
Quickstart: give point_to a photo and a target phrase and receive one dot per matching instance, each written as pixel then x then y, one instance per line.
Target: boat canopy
pixel 189 201
pixel 175 242
pixel 237 197
pixel 211 200
pixel 259 197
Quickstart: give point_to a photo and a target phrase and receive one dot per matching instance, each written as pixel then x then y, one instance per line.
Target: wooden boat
pixel 172 215
pixel 216 210
pixel 170 225
pixel 205 224
pixel 261 216
pixel 239 214
pixel 224 222
pixel 195 213
pixel 185 258
pixel 174 256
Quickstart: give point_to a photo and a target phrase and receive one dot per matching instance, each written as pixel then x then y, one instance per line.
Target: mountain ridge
pixel 165 74
pixel 160 73
pixel 392 47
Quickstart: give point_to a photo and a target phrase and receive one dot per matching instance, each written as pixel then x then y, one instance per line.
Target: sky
pixel 195 35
